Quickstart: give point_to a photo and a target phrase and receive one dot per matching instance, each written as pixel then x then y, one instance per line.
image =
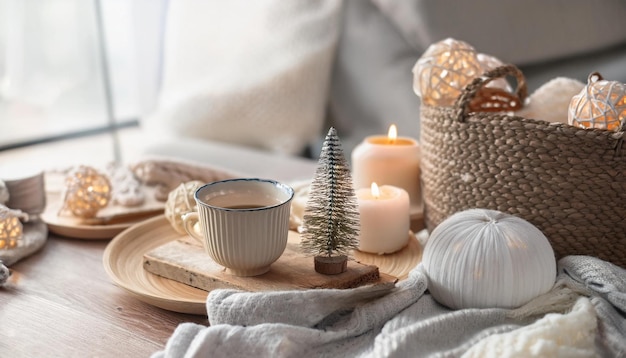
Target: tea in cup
pixel 244 223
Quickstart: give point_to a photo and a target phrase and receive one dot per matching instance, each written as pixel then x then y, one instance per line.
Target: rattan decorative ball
pixel 86 192
pixel 601 104
pixel 179 202
pixel 11 229
pixel 444 69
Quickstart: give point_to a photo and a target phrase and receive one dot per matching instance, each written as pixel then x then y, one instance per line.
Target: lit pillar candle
pixel 389 160
pixel 385 220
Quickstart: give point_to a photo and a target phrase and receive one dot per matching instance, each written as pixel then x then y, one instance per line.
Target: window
pixel 71 67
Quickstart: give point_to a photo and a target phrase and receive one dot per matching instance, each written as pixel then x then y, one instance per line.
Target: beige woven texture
pixel 569 182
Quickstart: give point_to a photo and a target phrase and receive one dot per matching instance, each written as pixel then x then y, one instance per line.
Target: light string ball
pixel 448 66
pixel 86 192
pixel 601 104
pixel 11 228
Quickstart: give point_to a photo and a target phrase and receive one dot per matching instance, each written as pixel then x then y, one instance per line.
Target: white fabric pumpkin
pixel 482 258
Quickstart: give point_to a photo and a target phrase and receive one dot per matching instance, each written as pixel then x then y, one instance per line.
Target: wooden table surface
pixel 61 303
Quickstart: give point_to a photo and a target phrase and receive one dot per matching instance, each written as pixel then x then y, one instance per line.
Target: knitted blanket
pixel 583 316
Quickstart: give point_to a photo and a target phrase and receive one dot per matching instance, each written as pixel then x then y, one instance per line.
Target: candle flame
pixel 375 190
pixel 392 135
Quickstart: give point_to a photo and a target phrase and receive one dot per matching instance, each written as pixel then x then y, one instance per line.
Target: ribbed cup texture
pixel 246 242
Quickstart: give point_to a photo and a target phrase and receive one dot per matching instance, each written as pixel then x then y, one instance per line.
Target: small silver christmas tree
pixel 331 217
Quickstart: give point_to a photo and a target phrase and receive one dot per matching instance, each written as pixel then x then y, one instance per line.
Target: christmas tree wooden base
pixel 184 260
pixel 332 265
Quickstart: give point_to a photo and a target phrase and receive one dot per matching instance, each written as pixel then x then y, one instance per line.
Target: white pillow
pixel 254 73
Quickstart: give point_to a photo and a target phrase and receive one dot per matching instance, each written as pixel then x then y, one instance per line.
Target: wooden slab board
pixel 185 261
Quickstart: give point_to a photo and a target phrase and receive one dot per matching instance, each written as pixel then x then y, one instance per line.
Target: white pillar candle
pixel 389 160
pixel 385 220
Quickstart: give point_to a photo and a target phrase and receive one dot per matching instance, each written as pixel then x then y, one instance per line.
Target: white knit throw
pixel 555 335
pixel 408 322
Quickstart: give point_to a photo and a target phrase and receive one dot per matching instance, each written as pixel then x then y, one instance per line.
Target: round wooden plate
pixel 123 262
pixel 66 225
pixel 71 227
pixel 398 264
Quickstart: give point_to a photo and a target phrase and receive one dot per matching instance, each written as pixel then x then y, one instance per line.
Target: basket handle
pixel 475 97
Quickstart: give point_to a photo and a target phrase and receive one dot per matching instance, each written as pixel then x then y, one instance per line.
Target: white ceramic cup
pixel 27 193
pixel 244 223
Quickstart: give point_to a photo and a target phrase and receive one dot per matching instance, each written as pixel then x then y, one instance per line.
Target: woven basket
pixel 569 182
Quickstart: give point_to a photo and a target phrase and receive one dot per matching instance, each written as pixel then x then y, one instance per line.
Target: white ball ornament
pixel 481 258
pixel 550 102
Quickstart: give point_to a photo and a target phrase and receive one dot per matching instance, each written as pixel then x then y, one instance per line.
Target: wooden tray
pixel 123 262
pixel 186 261
pixel 73 227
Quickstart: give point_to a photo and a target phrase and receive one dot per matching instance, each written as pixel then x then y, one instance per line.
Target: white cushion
pixel 254 73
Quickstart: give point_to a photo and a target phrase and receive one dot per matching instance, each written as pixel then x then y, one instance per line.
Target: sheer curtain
pixel 68 66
